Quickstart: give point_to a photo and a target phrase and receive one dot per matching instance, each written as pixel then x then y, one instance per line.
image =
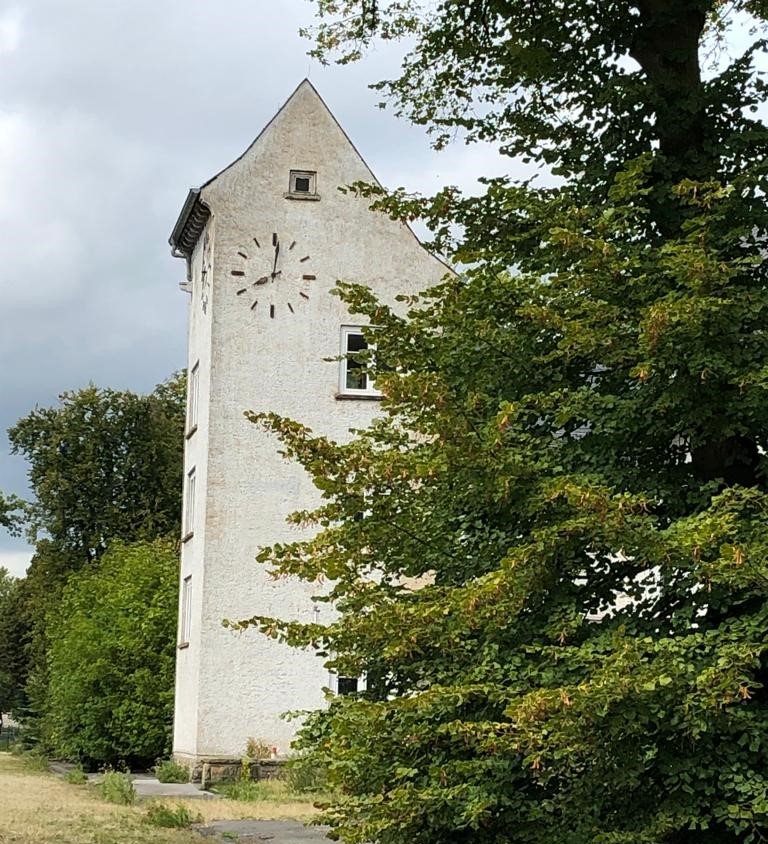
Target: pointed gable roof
pixel 195 213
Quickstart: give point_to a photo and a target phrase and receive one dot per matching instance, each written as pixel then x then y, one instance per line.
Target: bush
pixel 76 776
pixel 303 774
pixel 117 787
pixel 35 760
pixel 172 817
pixel 167 770
pixel 110 696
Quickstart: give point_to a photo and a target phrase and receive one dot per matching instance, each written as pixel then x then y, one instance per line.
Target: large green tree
pixel 550 555
pixel 12 643
pixel 111 662
pixel 104 466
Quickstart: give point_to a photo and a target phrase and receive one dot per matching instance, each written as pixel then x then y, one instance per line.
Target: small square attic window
pixel 303 183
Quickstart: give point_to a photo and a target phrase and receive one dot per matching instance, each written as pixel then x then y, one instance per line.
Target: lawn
pixel 39 808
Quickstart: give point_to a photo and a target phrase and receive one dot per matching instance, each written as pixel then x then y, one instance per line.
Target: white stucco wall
pixel 232 686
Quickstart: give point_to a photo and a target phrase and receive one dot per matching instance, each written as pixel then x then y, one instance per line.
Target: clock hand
pixel 277 252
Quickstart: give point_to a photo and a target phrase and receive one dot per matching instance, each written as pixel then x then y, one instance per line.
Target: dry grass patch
pixel 39 808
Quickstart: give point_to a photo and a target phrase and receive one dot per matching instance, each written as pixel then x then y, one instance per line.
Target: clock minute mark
pixel 238 272
pixel 274 238
pixel 303 295
pixel 305 258
pixel 293 243
pixel 290 307
pixel 258 245
pixel 241 291
pixel 255 302
pixel 272 311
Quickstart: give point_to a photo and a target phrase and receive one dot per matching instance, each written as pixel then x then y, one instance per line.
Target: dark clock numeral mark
pixel 305 258
pixel 293 243
pixel 241 291
pixel 309 277
pixel 253 306
pixel 303 295
pixel 274 238
pixel 290 307
pixel 238 273
pixel 243 255
pixel 272 311
pixel 258 245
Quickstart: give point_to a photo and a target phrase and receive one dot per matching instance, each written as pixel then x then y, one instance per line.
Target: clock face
pixel 272 276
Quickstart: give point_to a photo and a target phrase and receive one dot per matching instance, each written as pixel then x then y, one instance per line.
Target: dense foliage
pixel 12 643
pixel 550 555
pixel 104 466
pixel 111 662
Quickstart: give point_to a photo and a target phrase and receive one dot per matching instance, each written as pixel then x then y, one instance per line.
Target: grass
pixel 39 808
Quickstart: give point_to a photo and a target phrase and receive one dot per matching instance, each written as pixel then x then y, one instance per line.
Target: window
pixel 193 394
pixel 185 622
pixel 302 184
pixel 189 505
pixel 346 685
pixel 354 379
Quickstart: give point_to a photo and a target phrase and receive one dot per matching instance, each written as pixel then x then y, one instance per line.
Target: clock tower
pixel 264 242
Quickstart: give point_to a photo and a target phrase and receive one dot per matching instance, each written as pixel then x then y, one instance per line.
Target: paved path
pixel 256 832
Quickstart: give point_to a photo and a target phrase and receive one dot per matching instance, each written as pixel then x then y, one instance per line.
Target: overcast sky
pixel 109 111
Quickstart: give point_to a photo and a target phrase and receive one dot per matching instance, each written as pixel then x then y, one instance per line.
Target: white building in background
pixel 265 241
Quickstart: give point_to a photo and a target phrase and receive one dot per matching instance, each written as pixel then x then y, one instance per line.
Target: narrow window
pixel 354 378
pixel 189 505
pixel 347 685
pixel 193 393
pixel 303 182
pixel 185 622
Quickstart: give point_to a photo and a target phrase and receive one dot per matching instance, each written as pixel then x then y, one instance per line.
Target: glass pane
pixel 302 184
pixel 356 376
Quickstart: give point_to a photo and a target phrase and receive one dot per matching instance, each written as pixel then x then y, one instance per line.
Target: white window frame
pixel 193 392
pixel 370 388
pixel 185 619
pixel 333 683
pixel 189 504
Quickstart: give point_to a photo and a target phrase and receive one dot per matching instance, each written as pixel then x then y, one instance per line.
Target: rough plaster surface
pixel 232 686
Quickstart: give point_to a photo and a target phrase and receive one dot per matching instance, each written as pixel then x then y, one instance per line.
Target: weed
pixel 172 817
pixel 257 749
pixel 166 770
pixel 35 760
pixel 117 787
pixel 76 776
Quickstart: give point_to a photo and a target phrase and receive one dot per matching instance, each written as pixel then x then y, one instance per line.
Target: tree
pixel 104 466
pixel 111 662
pixel 571 461
pixel 12 643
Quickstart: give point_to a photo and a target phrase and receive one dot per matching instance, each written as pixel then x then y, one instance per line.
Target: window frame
pixel 185 618
pixel 189 504
pixel 294 193
pixel 193 399
pixel 344 390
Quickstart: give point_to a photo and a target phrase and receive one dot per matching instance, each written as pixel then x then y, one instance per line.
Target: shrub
pixel 76 776
pixel 111 663
pixel 303 774
pixel 166 770
pixel 172 817
pixel 117 787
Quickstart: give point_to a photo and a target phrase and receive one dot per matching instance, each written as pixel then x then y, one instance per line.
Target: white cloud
pixel 15 561
pixel 10 30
